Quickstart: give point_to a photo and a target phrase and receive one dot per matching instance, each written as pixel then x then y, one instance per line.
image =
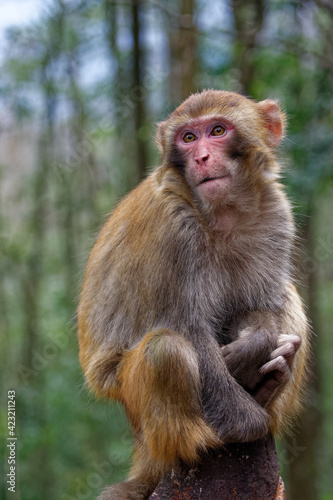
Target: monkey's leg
pixel 159 385
pixel 229 408
pixel 161 391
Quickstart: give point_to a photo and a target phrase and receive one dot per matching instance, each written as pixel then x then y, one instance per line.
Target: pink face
pixel 204 143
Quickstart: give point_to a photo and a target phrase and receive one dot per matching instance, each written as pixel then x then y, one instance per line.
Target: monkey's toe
pixel 128 490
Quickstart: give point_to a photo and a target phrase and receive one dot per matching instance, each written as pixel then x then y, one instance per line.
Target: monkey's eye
pixel 218 130
pixel 189 137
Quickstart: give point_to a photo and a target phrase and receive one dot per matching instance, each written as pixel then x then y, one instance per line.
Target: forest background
pixel 81 87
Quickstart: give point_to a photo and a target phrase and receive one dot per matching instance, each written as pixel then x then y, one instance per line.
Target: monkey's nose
pixel 202 160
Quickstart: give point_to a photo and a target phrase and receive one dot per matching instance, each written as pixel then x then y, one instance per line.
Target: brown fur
pixel 164 365
pixel 171 279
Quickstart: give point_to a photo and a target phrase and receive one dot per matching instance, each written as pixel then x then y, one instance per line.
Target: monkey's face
pixel 224 145
pixel 204 144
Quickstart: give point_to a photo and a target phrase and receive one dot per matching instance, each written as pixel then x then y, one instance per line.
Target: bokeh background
pixel 82 83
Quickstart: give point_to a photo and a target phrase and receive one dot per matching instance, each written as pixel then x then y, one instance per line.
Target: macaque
pixel 188 314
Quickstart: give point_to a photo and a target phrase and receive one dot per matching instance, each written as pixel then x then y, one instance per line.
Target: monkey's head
pixel 223 143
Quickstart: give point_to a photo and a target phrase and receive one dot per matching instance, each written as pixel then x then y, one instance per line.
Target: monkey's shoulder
pixel 153 215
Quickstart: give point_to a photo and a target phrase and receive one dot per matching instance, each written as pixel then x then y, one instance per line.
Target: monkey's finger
pixel 266 390
pixel 285 338
pixel 228 349
pixel 287 349
pixel 277 371
pixel 224 349
pixel 278 374
pixel 280 368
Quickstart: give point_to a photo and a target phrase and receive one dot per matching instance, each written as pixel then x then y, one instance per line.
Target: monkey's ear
pixel 275 120
pixel 160 136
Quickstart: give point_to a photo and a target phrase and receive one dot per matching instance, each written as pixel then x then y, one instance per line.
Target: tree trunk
pixel 138 90
pixel 249 18
pixel 241 471
pixel 183 54
pixel 32 275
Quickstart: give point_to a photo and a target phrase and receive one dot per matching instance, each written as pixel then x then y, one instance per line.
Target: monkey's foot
pixel 133 489
pixel 179 438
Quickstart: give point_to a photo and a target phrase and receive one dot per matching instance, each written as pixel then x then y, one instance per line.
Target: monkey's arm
pixel 286 401
pixel 277 374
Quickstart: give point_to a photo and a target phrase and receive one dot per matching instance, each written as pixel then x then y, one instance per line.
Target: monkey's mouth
pixel 209 179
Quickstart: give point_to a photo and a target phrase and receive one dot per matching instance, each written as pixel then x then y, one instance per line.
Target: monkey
pixel 189 315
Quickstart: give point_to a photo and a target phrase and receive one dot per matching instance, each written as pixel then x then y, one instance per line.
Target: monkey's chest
pixel 223 292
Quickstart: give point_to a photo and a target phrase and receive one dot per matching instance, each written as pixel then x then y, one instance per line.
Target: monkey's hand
pixel 277 372
pixel 246 355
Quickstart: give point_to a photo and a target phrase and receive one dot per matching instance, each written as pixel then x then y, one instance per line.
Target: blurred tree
pixel 139 90
pixel 78 180
pixel 183 50
pixel 249 20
